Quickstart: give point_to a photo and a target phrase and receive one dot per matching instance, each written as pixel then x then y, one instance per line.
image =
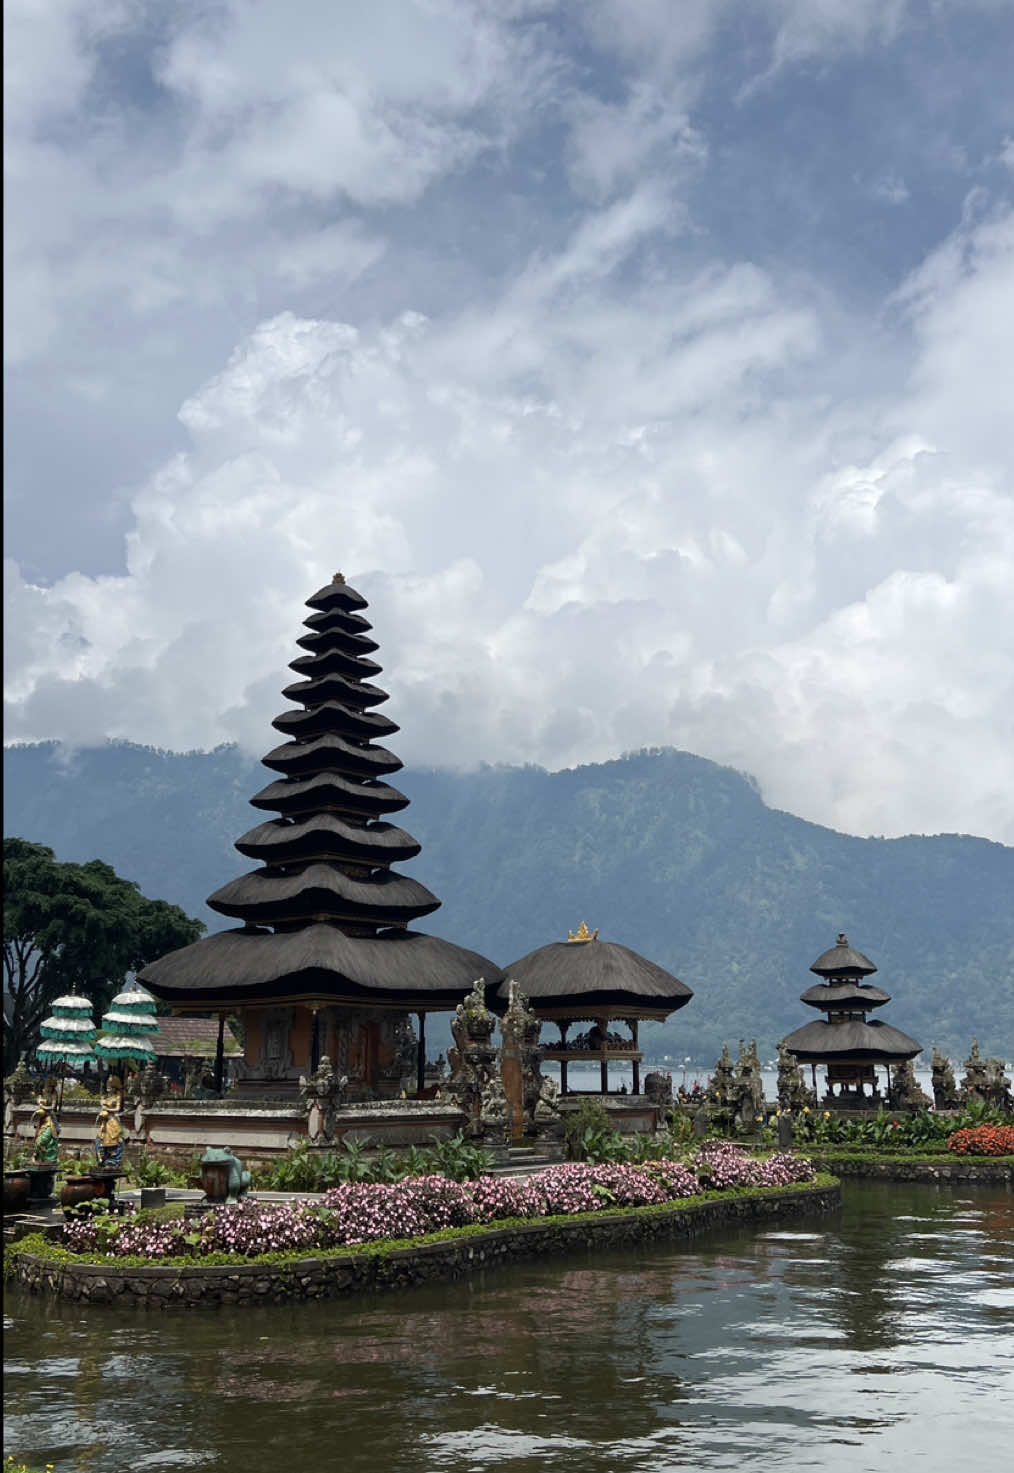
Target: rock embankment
pixel 200 1285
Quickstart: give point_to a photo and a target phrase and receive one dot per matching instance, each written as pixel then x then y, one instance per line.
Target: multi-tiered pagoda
pixel 847 1044
pixel 324 962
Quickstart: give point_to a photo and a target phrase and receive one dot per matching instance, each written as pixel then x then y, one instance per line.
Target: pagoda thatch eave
pixel 322 889
pixel 404 969
pixel 336 595
pixel 334 661
pixel 334 716
pixel 324 620
pixel 595 1007
pixel 565 974
pixel 329 790
pixel 334 752
pixel 851 1040
pixel 336 636
pixel 843 996
pixel 843 961
pixel 326 836
pixel 334 688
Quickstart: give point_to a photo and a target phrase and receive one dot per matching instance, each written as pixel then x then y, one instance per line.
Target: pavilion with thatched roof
pixel 323 961
pixel 584 979
pixel 845 1042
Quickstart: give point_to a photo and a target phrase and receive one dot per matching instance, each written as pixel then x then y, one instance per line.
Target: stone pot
pixel 17 1190
pixel 42 1179
pixel 77 1189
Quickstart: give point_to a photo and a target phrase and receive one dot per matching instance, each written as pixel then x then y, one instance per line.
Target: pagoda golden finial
pixel 582 933
pixel 338 578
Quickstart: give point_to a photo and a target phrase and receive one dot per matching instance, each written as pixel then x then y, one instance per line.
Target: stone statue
pixel 658 1089
pixel 905 1091
pixel 108 1130
pixel 471 1059
pixel 323 1094
pixel 945 1089
pixel 236 1181
pixel 20 1085
pixel 722 1085
pixel 749 1086
pixel 793 1092
pixel 998 1091
pixel 975 1084
pixel 494 1113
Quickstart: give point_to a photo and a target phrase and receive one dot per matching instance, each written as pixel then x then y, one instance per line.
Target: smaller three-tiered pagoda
pixel 846 1043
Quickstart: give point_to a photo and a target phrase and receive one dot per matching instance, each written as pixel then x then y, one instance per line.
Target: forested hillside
pixel 663 851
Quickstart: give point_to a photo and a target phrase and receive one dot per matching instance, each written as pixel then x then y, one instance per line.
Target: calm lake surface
pixel 882 1335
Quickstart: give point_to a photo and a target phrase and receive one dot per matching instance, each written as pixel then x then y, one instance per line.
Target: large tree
pixel 74 926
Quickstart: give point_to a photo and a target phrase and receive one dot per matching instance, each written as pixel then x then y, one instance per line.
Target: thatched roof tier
pixel 338 638
pixel 851 1041
pixel 337 619
pixel 334 716
pixel 331 752
pixel 326 836
pixel 318 890
pixel 329 790
pixel 335 662
pixel 843 961
pixel 336 595
pixel 590 979
pixel 405 969
pixel 843 997
pixel 335 688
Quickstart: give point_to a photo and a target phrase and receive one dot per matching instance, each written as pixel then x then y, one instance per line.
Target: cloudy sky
pixel 648 364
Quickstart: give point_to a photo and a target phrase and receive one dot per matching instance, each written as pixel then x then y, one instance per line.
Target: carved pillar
pixel 420 1056
pixel 632 1023
pixel 220 1057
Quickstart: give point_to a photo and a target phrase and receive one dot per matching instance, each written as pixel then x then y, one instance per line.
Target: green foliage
pixel 74 926
pixel 923 1131
pixel 589 1136
pixel 147 1172
pixel 309 1170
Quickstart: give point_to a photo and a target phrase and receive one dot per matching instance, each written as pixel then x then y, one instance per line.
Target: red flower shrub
pixel 983 1140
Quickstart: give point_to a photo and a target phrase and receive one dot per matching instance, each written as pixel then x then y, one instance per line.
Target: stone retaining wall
pixel 983 1169
pixel 160 1287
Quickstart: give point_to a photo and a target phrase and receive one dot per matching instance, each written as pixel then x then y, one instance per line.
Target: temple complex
pixel 323 962
pixel 598 982
pixel 845 1043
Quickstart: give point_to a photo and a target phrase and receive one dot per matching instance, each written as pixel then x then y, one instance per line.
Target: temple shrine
pixel 845 1043
pixel 598 982
pixel 323 962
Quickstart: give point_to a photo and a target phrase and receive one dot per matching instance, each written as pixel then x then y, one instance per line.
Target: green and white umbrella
pixel 68 1036
pixel 128 1027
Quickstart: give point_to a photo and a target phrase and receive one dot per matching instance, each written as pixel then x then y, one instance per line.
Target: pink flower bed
pixel 371 1212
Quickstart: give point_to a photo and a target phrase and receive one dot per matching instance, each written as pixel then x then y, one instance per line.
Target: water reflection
pixel 885 1332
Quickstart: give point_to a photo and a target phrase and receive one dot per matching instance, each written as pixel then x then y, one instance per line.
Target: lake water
pixel 882 1336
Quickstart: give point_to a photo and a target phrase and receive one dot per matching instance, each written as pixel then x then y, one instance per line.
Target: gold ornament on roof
pixel 582 933
pixel 338 578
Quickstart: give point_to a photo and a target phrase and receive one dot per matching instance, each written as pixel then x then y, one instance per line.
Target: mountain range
pixel 666 852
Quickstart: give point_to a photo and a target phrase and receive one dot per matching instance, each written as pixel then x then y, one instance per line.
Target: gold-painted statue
pixel 109 1140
